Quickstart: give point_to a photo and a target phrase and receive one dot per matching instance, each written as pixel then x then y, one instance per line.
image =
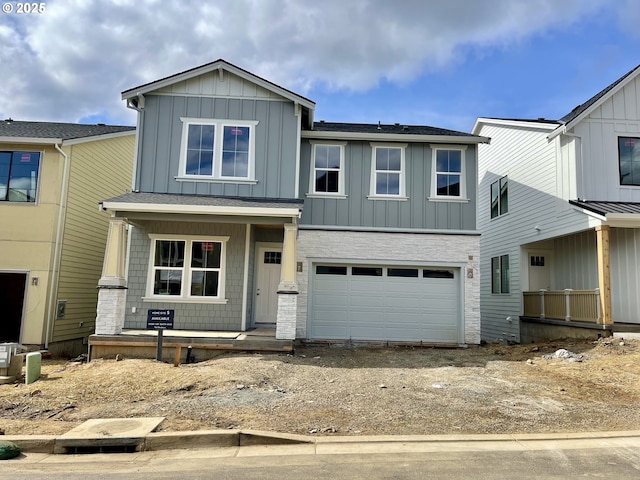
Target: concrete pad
pixel 182 333
pixel 33 443
pixel 627 335
pixel 108 432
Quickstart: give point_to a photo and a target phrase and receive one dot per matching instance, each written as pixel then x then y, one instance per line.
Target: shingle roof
pixel 603 208
pixel 396 129
pixel 573 114
pixel 205 200
pixel 53 130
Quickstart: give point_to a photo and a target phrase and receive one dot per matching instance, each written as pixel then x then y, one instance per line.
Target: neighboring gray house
pixel 245 213
pixel 559 214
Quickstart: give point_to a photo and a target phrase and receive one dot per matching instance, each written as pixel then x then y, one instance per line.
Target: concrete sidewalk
pixel 252 443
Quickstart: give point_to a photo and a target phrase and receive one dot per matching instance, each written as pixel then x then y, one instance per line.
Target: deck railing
pixel 568 304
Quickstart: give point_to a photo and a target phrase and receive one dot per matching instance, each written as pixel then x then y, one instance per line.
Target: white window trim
pixel 219 125
pixel 341 193
pixel 372 186
pixel 186 270
pixel 434 197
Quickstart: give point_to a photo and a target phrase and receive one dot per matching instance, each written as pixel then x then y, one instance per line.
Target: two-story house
pixel 246 213
pixel 559 212
pixel 53 237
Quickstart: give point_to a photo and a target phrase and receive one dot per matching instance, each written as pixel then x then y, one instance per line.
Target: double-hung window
pixel 500 274
pixel 221 150
pixel 327 169
pixel 188 269
pixel 629 157
pixel 19 176
pixel 448 173
pixel 499 197
pixel 388 171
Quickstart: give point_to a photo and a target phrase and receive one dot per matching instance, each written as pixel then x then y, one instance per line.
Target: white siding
pixel 535 178
pixel 617 116
pixel 625 275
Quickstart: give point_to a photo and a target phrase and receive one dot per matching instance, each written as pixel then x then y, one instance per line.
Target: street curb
pixel 240 438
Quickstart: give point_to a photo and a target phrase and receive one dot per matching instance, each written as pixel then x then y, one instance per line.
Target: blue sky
pixel 415 62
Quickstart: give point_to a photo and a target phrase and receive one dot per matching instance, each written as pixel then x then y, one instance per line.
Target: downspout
pixel 298 113
pixel 138 106
pixel 56 251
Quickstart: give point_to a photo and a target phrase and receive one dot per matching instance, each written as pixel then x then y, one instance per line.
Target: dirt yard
pixel 347 391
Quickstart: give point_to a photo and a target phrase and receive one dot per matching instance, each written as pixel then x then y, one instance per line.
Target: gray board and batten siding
pixel 161 137
pixel 417 212
pixel 188 316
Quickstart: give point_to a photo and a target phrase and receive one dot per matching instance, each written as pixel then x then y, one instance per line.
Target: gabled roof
pixel 584 109
pixel 55 132
pixel 389 132
pixel 213 66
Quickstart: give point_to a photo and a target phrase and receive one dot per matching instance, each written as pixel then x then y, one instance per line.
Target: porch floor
pixel 204 344
pixel 540 329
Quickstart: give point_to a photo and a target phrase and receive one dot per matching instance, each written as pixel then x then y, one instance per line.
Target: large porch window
pixel 190 268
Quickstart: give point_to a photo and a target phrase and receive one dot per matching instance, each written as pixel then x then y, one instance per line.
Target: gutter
pixel 54 283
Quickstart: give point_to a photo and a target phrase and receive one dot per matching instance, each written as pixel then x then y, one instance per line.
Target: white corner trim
pixel 245 283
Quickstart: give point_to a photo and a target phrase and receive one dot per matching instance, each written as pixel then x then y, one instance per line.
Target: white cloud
pixel 72 61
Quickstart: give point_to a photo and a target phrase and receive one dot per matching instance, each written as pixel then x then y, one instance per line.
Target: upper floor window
pixel 191 268
pixel 388 171
pixel 499 197
pixel 218 149
pixel 500 277
pixel 327 171
pixel 448 172
pixel 629 151
pixel 19 176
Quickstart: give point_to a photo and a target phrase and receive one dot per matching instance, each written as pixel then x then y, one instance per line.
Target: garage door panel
pixel 381 306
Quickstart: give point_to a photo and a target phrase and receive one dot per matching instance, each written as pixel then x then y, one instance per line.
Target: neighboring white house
pixel 559 213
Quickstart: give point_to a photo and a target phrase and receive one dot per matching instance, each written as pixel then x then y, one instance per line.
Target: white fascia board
pixel 392 137
pixel 157 85
pixel 511 123
pixel 93 138
pixel 201 209
pixel 46 141
pixel 628 220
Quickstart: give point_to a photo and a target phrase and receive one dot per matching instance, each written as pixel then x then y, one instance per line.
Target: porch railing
pixel 568 304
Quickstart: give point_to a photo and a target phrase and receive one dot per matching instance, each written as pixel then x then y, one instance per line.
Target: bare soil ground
pixel 347 391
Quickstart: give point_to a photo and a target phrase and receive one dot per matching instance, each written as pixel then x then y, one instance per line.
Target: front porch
pixel 551 314
pixel 133 343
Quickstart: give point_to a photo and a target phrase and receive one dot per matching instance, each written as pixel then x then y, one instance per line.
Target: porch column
pixel 288 288
pixel 604 273
pixel 112 285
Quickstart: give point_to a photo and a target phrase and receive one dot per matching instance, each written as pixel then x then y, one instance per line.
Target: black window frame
pixel 500 283
pixel 620 148
pixel 501 197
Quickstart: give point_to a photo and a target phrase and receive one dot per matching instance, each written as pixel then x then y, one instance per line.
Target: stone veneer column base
pixel 111 309
pixel 287 313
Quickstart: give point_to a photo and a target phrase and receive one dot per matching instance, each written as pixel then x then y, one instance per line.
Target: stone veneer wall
pixel 188 316
pixel 386 248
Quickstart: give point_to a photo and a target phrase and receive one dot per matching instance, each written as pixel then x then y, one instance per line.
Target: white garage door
pixel 362 302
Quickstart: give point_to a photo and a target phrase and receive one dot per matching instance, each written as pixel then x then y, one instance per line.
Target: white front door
pixel 539 273
pixel 268 263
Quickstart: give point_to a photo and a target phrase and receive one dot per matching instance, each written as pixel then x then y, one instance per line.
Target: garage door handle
pixel 258 292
